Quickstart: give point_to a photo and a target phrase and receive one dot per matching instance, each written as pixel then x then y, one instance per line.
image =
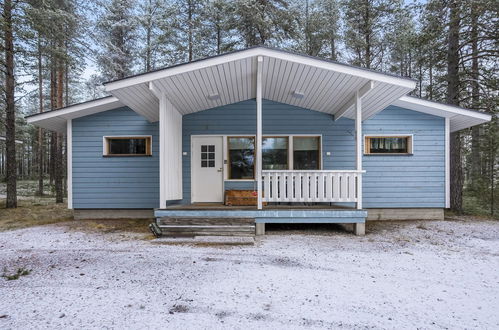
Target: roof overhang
pixel 56 120
pixel 460 118
pixel 290 78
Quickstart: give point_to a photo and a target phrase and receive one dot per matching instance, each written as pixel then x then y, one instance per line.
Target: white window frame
pixel 130 136
pixel 290 151
pixel 410 148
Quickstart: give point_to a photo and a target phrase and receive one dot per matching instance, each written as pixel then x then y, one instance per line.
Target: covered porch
pixel 338 90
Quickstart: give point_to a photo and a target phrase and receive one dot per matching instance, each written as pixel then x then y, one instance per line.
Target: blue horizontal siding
pixel 406 181
pixel 133 182
pixel 391 181
pixel 113 182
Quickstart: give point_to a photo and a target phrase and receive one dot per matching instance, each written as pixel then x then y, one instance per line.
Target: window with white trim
pixel 388 145
pixel 127 146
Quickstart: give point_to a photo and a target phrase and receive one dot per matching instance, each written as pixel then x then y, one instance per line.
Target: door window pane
pixel 306 153
pixel 207 152
pixel 275 153
pixel 241 157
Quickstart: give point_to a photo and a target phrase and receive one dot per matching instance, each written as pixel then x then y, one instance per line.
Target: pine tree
pixel 263 22
pixel 116 34
pixel 365 30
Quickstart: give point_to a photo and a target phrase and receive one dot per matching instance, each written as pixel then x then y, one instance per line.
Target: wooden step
pixel 206 233
pixel 196 226
pixel 206 228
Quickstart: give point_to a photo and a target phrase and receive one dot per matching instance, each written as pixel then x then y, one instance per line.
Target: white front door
pixel 207 169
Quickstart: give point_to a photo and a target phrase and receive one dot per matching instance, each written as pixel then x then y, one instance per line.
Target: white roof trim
pixel 56 119
pixel 460 118
pixel 255 52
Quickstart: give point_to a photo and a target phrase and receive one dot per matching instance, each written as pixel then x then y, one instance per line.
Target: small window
pixel 306 153
pixel 275 153
pixel 127 146
pixel 386 145
pixel 241 157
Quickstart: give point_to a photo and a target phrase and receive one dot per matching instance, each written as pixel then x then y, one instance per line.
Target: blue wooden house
pixel 312 140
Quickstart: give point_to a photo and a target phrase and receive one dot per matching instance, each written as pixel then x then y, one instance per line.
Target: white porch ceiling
pixel 326 86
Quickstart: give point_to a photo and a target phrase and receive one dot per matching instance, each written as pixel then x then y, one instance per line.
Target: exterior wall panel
pixel 113 182
pixel 414 181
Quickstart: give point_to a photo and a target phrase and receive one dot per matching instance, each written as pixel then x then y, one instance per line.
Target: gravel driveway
pixel 442 274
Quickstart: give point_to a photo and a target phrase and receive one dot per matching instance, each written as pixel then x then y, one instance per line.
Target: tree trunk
pixel 367 35
pixel 475 95
pixel 456 170
pixel 190 9
pixel 40 130
pixel 10 111
pixel 59 193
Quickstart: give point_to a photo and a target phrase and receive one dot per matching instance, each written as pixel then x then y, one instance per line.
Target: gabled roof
pixel 322 85
pixel 291 78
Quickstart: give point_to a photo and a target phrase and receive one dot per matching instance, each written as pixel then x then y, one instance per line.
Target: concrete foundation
pixel 359 229
pixel 260 229
pixel 98 214
pixel 405 214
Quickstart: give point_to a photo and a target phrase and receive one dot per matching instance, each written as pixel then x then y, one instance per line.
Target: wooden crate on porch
pixel 241 198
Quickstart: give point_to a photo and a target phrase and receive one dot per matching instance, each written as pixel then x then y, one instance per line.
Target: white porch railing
pixel 310 186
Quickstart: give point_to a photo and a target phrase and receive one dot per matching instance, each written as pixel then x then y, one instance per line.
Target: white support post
pixel 69 141
pixel 447 163
pixel 259 131
pixel 162 151
pixel 358 146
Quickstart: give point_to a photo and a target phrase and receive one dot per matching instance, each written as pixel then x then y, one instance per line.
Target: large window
pixel 306 153
pixel 127 146
pixel 241 157
pixel 384 145
pixel 275 153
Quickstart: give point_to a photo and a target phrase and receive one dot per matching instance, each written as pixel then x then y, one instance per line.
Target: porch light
pixel 213 96
pixel 298 95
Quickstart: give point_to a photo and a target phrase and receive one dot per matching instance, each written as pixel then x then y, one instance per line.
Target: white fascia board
pixel 438 109
pixel 254 52
pixel 77 110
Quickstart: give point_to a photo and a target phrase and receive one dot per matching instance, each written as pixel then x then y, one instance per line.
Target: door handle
pixel 219 170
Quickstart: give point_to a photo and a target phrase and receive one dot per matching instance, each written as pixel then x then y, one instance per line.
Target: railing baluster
pixel 351 189
pixel 289 187
pixel 266 187
pixel 320 187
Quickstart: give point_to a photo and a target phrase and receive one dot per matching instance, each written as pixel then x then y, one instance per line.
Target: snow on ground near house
pixel 442 274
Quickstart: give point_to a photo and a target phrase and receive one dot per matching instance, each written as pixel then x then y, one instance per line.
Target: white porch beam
pixel 352 101
pixel 358 146
pixel 259 131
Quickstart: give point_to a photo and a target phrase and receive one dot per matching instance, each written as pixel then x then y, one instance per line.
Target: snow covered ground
pixel 423 275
